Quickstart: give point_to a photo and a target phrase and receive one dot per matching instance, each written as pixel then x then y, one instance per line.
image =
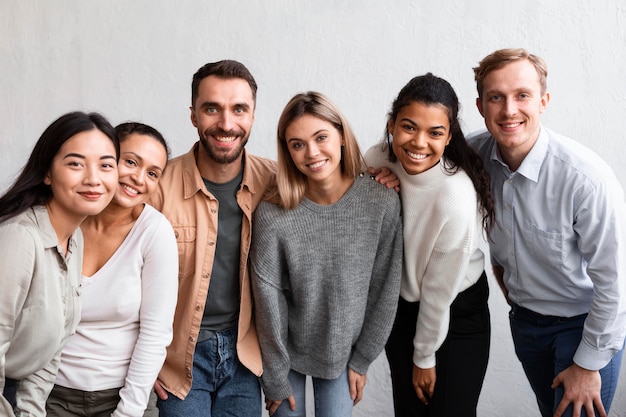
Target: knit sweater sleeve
pixel 382 299
pixel 445 271
pixel 270 303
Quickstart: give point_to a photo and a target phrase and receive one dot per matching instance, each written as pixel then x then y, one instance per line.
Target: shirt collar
pixel 48 234
pixel 531 165
pixel 192 179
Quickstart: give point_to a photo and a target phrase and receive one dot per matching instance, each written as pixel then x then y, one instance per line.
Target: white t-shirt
pixel 126 319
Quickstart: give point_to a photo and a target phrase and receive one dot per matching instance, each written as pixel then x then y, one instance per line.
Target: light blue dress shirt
pixel 560 236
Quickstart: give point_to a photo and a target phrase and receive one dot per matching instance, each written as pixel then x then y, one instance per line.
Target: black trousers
pixel 10 389
pixel 68 402
pixel 461 359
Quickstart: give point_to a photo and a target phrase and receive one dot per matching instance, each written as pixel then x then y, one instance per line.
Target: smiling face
pixel 420 134
pixel 511 104
pixel 315 148
pixel 83 176
pixel 142 161
pixel 223 113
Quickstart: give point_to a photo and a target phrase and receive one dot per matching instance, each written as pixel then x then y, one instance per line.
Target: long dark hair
pixel 29 188
pixel 432 90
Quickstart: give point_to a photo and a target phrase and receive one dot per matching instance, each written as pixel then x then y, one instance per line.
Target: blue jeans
pixel 332 396
pixel 546 345
pixel 221 385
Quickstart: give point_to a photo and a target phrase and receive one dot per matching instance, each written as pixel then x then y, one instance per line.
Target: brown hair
pixel 226 69
pixel 502 57
pixel 290 181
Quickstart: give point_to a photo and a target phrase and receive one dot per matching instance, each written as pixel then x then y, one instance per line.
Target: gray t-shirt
pixel 222 306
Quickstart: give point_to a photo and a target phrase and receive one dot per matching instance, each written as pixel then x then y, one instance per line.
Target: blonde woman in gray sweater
pixel 326 264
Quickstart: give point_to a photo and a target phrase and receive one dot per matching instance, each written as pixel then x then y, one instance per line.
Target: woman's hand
pixel 159 390
pixel 385 176
pixel 272 405
pixel 424 382
pixel 357 383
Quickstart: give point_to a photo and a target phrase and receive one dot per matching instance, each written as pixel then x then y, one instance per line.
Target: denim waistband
pixel 206 334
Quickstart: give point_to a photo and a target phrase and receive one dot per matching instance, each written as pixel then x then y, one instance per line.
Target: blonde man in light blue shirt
pixel 555 249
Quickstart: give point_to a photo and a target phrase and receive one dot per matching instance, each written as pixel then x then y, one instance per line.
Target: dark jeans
pixel 221 386
pixel 545 345
pixel 461 359
pixel 66 402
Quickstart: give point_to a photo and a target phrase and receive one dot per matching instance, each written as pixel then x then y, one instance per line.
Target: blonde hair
pixel 291 183
pixel 502 57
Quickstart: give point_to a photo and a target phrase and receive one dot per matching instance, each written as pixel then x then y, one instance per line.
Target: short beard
pixel 223 158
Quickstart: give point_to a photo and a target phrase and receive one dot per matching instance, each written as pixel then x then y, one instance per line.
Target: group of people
pixel 219 275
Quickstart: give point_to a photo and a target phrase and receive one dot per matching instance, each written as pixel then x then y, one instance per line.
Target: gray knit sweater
pixel 325 281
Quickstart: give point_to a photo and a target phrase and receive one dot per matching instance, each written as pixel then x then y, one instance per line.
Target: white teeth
pixel 225 139
pixel 510 125
pixel 130 189
pixel 416 155
pixel 317 164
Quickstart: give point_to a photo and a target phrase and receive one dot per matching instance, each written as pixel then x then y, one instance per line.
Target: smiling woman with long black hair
pixel 71 174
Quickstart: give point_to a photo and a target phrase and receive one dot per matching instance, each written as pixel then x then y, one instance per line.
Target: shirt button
pixel 205 276
pixel 192 339
pixel 176 234
pixel 211 243
pixel 198 307
pixel 213 211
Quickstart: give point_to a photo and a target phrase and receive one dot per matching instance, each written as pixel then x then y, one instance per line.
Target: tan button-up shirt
pixel 39 305
pixel 183 198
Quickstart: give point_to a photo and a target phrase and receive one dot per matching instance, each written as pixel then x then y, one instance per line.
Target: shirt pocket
pixel 545 246
pixel 186 241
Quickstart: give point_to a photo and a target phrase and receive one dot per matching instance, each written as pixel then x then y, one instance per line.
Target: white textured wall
pixel 134 60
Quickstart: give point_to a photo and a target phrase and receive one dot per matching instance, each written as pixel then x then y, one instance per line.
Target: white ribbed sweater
pixel 442 232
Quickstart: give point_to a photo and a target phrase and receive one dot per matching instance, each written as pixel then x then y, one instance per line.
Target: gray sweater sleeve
pixel 270 304
pixel 382 299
